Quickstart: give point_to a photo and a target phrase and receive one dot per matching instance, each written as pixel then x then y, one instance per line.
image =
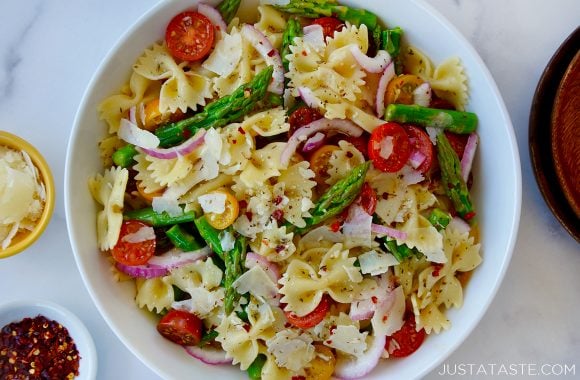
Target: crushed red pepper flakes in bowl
pixel 37 348
pixel 43 340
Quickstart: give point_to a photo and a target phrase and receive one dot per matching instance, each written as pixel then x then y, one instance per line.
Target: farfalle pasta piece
pixel 274 243
pixel 201 280
pixel 264 164
pixel 267 123
pixel 107 147
pixel 108 190
pixel 167 172
pixel 180 90
pixel 450 82
pixel 155 294
pixel 431 318
pixel 242 342
pixel 351 34
pixel 342 161
pixel 416 62
pixel 295 185
pixel 144 175
pixel 272 23
pixel 237 148
pixel 113 108
pixel 303 286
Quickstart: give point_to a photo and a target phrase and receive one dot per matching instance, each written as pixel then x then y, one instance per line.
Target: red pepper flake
pixel 385 318
pixel 304 53
pixel 436 269
pixel 331 329
pixel 271 53
pixel 374 299
pixel 335 227
pixel 241 130
pixel 249 215
pixel 247 327
pixel 243 204
pixel 278 200
pixel 298 378
pixel 37 348
pixel 469 215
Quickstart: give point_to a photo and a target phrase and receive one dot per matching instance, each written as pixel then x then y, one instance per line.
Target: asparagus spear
pixel 453 183
pixel 210 235
pixel 319 8
pixel 401 252
pixel 255 369
pixel 228 9
pixel 234 261
pixel 220 112
pixel 453 121
pixel 155 219
pixel 338 197
pixel 439 218
pixel 123 156
pixel 182 239
pixel 293 29
pixel 390 40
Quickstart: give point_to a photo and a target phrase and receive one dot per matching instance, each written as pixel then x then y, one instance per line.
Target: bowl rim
pixel 81 336
pixel 13 141
pixel 512 224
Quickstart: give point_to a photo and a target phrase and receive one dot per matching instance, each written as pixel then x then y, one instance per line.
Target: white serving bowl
pixel 497 193
pixel 15 311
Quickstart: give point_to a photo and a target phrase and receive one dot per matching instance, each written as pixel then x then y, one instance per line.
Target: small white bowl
pixel 15 311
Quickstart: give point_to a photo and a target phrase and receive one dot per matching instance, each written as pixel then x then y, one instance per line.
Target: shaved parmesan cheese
pixel 257 282
pixel 386 147
pixel 389 314
pixel 213 202
pixel 375 263
pixel 132 134
pixel 225 56
pixel 291 350
pixel 227 240
pixel 348 339
pixel 142 234
pixel 166 204
pixel 202 301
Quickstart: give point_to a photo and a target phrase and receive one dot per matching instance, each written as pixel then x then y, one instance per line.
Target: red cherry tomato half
pixel 189 36
pixel 420 142
pixel 130 252
pixel 329 25
pixel 181 327
pixel 389 147
pixel 458 142
pixel 405 341
pixel 302 116
pixel 368 199
pixel 311 319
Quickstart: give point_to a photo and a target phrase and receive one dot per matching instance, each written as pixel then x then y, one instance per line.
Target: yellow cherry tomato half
pixel 319 162
pixel 400 89
pixel 153 116
pixel 231 211
pixel 322 366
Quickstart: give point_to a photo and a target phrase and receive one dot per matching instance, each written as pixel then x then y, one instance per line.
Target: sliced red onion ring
pixel 208 355
pixel 357 225
pixel 371 65
pixel 314 35
pixel 422 95
pixel 468 155
pixel 270 55
pixel 131 133
pixel 356 368
pixel 388 231
pixel 386 77
pixel 309 97
pixel 314 142
pixel 271 269
pixel 361 310
pixel 416 158
pixel 213 15
pixel 303 133
pixel 142 271
pixel 185 148
pixel 176 258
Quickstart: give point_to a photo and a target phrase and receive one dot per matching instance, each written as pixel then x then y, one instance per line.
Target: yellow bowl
pixel 24 240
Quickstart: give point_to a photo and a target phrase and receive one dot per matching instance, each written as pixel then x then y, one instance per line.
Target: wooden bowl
pixel 554 134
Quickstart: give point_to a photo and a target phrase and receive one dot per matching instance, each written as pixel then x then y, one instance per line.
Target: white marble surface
pixel 50 49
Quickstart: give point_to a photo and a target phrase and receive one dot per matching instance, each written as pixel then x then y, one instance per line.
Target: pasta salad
pixel 290 195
